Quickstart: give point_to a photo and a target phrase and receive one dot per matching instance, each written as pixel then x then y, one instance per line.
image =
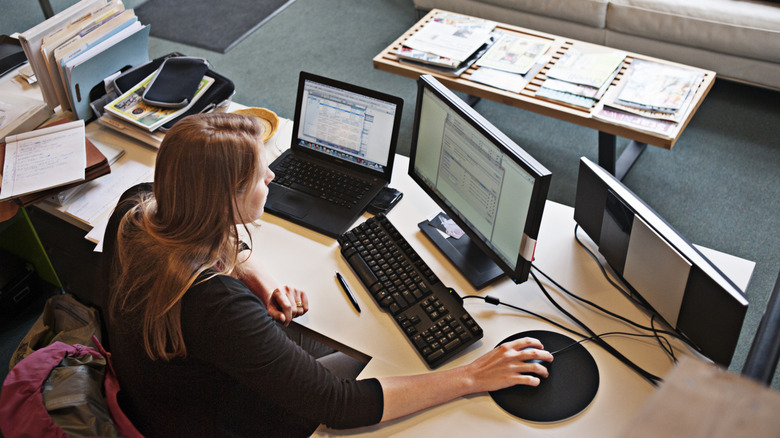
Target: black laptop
pixel 343 144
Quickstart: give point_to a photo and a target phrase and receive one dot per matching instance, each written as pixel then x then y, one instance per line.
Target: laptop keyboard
pixel 428 313
pixel 319 181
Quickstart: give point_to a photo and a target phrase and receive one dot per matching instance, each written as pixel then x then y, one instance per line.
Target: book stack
pixel 653 97
pixel 74 51
pixel 39 164
pixel 449 43
pixel 582 75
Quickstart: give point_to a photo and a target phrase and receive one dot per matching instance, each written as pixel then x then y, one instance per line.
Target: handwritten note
pixel 44 158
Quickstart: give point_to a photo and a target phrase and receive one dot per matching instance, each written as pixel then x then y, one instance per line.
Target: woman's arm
pixel 283 302
pixel 500 368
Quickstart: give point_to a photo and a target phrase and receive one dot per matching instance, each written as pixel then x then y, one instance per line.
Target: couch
pixel 738 39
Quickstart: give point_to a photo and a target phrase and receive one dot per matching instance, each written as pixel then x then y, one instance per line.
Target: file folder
pixel 129 52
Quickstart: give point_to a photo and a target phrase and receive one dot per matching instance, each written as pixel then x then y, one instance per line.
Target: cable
pixel 495 301
pixel 608 312
pixel 603 335
pixel 629 294
pixel 653 379
pixel 663 342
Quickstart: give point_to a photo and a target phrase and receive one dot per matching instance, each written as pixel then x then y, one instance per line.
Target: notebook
pixel 339 129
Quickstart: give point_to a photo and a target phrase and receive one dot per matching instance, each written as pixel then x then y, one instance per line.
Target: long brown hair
pixel 188 226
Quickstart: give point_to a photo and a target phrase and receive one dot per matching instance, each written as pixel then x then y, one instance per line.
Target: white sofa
pixel 738 39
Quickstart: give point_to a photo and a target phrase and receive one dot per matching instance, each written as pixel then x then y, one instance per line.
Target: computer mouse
pixel 544 363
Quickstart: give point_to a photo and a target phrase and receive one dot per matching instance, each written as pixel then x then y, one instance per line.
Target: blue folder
pixel 129 52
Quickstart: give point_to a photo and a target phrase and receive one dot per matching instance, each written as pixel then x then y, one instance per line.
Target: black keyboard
pixel 430 314
pixel 319 181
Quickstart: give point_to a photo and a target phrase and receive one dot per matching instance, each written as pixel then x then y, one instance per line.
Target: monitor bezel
pixel 541 174
pixel 304 76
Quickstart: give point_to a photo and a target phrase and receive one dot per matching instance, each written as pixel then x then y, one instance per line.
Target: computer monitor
pixel 670 274
pixel 489 186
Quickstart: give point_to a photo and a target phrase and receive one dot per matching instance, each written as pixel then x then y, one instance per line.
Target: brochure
pixel 587 66
pixel 130 106
pixel 658 87
pixel 451 36
pixel 514 54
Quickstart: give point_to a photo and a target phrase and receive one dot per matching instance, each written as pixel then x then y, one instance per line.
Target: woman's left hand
pixel 286 303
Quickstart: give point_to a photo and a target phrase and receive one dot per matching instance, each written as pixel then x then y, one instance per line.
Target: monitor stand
pixel 470 260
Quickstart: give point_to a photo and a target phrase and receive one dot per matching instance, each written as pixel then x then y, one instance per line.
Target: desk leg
pixel 618 166
pixel 472 101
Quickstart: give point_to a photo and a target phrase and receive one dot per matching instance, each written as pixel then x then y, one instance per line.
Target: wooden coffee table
pixel 527 99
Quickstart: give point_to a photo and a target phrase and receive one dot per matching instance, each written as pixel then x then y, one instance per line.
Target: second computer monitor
pixel 489 186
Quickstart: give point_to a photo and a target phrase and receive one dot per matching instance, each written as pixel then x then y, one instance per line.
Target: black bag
pixel 217 96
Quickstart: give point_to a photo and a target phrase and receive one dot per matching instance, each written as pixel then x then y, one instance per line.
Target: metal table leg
pixel 618 166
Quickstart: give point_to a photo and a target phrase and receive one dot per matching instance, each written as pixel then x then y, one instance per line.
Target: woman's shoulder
pixel 218 289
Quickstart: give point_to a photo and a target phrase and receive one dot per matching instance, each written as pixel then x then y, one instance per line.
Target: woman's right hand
pixel 499 368
pixel 506 365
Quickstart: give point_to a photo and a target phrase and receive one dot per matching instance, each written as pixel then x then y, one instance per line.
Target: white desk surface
pixel 372 332
pixel 308 260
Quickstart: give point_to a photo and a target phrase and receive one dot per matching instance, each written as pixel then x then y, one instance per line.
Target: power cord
pixel 602 309
pixel 654 380
pixel 638 301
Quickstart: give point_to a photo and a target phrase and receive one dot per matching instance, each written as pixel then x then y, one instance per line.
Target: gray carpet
pixel 216 26
pixel 719 186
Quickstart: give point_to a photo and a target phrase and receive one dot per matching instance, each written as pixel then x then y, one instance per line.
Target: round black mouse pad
pixel 571 386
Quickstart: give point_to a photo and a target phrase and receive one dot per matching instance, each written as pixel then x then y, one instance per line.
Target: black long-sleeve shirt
pixel 242 375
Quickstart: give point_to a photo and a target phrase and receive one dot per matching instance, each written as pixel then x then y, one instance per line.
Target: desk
pixel 388 61
pixel 372 332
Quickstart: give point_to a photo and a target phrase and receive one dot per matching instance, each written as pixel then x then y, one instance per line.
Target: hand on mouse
pixel 511 364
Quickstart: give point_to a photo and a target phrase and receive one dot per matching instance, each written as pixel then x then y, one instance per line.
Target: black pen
pixel 348 291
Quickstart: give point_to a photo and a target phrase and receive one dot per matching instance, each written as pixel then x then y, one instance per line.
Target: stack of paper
pixel 582 75
pixel 50 161
pixel 42 159
pixel 512 61
pixel 78 48
pixel 19 113
pixel 449 41
pixel 653 97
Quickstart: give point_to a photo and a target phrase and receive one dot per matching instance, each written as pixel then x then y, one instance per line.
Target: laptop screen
pixel 348 124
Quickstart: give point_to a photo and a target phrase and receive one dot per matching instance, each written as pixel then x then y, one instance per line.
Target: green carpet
pixel 216 26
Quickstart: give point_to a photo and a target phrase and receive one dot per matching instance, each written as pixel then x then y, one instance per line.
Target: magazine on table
pixel 130 106
pixel 444 69
pixel 451 36
pixel 514 53
pixel 587 66
pixel 658 87
pixel 508 81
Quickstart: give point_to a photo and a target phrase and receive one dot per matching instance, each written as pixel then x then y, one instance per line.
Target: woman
pixel 195 321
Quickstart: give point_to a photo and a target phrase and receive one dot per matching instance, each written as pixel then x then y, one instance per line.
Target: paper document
pixel 514 54
pixel 44 158
pixel 99 197
pixel 448 40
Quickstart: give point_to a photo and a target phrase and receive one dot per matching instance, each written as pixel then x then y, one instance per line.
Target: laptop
pixel 343 145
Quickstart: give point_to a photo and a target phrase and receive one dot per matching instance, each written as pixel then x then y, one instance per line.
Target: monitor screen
pixel 346 122
pixel 490 187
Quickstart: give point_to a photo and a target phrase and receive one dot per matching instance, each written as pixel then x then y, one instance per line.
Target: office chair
pixel 762 359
